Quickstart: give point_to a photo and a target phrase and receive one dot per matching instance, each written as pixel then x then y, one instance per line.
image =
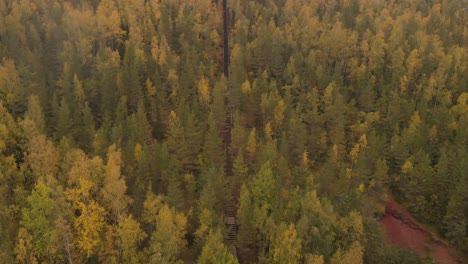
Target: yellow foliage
pixel 24 248
pixel 155 6
pixel 130 235
pixel 415 119
pixel 91 220
pixel 164 56
pixel 172 117
pixel 355 152
pixel 463 99
pixel 188 178
pixel 114 189
pixel 89 225
pixel 310 181
pixel 43 158
pixel 278 114
pixel 413 63
pixel 152 205
pixel 351 256
pixel 246 88
pixel 251 147
pixel 286 247
pixel 407 167
pixel 206 221
pixel 328 94
pixel 431 87
pixel 453 125
pixel 268 132
pixel 9 81
pixel 314 259
pixel 150 89
pixel 349 172
pixel 361 187
pixel 204 91
pixel 170 230
pixel 305 158
pixel 173 80
pixel 403 84
pixel 335 151
pixel 155 49
pixel 215 38
pixel 138 152
pixel 373 117
pixel 363 141
pixel 108 20
pixel 172 75
pixel 80 193
pixel 360 127
pixel 462 105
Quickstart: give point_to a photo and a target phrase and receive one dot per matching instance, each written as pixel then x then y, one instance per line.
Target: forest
pixel 122 141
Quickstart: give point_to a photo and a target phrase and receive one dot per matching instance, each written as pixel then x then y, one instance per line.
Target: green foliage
pixel 130 236
pixel 37 218
pixel 352 256
pixel 315 226
pixel 215 251
pixel 263 187
pixel 35 113
pixel 167 240
pixel 119 131
pixel 455 219
pixel 65 122
pixel 245 236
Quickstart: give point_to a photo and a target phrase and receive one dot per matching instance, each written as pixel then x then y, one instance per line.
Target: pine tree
pixel 36 114
pixel 131 77
pixel 65 121
pixel 456 215
pixel 251 148
pixel 213 147
pixel 245 235
pixel 87 130
pixel 215 251
pixel 38 218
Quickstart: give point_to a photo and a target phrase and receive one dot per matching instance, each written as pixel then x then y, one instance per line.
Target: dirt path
pixel 402 229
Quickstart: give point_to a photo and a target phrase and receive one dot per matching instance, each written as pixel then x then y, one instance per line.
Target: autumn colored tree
pixel 119 130
pixel 167 240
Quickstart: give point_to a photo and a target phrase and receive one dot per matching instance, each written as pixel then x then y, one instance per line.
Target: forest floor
pixel 402 229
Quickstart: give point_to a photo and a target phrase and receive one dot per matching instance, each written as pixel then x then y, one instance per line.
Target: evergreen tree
pixel 36 114
pixel 38 220
pixel 215 251
pixel 65 121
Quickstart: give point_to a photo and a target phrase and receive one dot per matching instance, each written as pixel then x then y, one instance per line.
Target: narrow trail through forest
pixel 402 229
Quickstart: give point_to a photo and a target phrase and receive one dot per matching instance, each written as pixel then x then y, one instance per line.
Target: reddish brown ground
pixel 405 231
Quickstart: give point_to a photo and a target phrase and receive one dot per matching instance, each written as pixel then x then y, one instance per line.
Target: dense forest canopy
pixel 113 119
